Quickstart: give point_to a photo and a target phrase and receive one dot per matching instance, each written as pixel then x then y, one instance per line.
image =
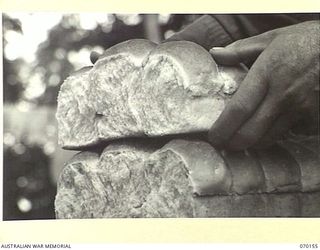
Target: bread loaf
pixel 137 88
pixel 74 114
pixel 140 89
pixel 310 174
pixel 184 179
pixel 281 171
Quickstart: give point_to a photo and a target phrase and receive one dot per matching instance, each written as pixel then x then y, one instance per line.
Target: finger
pixel 301 109
pixel 94 56
pixel 241 106
pixel 174 37
pixel 242 51
pixel 278 130
pixel 196 32
pixel 258 124
pixel 239 52
pixel 276 104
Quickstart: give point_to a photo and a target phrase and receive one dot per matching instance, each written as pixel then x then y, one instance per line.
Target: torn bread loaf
pixel 75 117
pixel 180 90
pixel 137 88
pixel 185 179
pixel 110 80
pixel 92 102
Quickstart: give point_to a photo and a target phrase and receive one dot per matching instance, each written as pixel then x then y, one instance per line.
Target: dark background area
pixel 32 158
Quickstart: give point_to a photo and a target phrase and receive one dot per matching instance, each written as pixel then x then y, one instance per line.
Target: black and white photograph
pixel 160 115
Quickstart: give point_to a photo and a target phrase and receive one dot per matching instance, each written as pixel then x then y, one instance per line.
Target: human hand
pixel 281 86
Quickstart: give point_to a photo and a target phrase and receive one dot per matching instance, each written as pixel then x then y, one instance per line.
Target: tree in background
pixel 12 86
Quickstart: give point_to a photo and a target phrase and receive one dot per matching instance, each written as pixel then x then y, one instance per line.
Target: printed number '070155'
pixel 309 246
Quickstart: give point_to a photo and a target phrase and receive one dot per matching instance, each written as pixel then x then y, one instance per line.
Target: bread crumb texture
pixel 137 88
pixel 187 179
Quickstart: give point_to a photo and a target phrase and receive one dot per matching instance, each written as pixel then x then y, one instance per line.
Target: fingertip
pixel 224 56
pixel 214 49
pixel 217 51
pixel 216 139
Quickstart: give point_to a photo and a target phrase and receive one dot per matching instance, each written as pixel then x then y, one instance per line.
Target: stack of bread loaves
pixel 140 116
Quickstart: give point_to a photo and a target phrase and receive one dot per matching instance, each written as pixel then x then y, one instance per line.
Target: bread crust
pixel 181 179
pixel 136 48
pixel 124 97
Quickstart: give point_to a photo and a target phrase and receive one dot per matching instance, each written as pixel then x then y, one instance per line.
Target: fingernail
pixel 215 49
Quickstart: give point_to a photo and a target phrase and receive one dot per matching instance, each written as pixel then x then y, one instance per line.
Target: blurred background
pixel 39 51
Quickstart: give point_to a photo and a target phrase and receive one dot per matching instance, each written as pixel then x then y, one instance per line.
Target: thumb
pixel 242 51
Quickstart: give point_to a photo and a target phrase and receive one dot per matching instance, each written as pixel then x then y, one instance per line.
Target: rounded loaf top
pixel 135 48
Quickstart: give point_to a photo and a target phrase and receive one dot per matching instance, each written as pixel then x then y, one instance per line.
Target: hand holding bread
pixel 136 98
pixel 281 87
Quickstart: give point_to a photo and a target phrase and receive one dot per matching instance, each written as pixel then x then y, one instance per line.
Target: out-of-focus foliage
pixel 67 48
pixel 10 24
pixel 57 57
pixel 28 191
pixel 12 86
pixel 68 41
pixel 32 161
